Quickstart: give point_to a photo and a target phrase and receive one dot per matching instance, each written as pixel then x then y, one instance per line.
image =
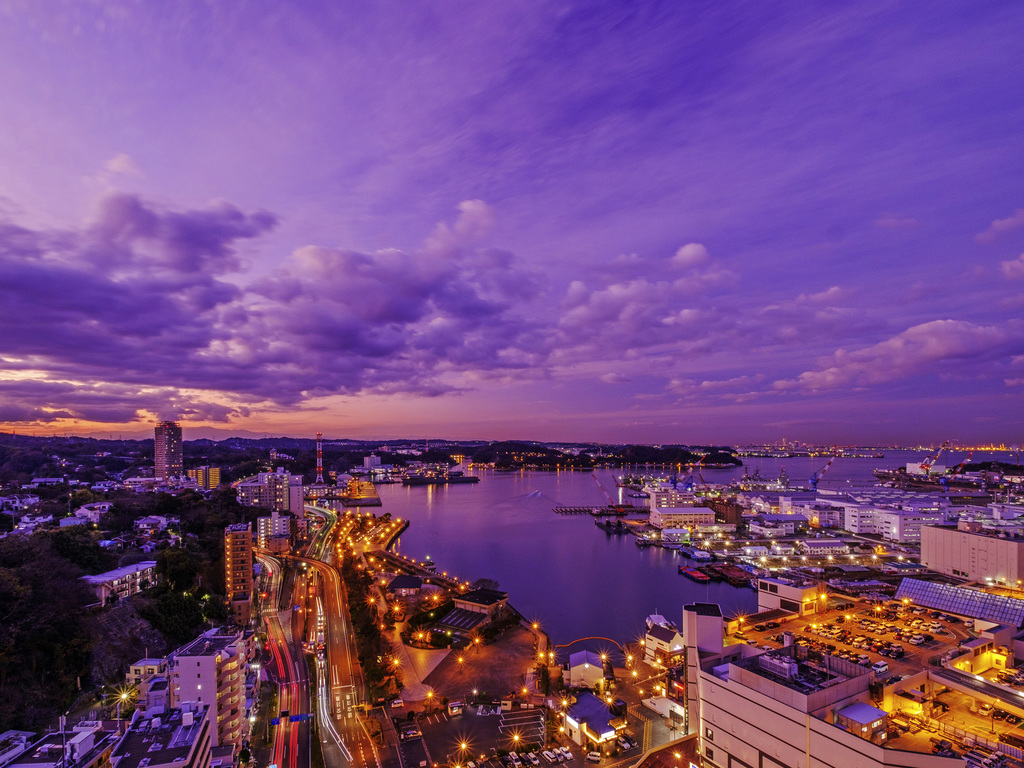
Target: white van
pixel 880 667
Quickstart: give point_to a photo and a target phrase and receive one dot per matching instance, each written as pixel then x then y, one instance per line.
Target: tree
pixel 179 567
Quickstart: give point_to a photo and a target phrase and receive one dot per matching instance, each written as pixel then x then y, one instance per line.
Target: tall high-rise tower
pixel 238 570
pixel 319 458
pixel 167 450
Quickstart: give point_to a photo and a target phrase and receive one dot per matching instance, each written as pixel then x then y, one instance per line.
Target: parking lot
pixel 894 640
pixel 484 736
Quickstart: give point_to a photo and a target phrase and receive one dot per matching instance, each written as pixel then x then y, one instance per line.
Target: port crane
pixel 604 492
pixel 926 465
pixel 818 475
pixel 955 471
pixel 694 469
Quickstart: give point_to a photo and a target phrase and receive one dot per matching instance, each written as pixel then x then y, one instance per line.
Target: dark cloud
pixel 145 310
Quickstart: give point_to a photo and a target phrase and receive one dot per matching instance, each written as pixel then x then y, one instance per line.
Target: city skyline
pixel 547 221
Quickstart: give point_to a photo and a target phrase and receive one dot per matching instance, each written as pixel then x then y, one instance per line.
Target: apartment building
pixel 205 477
pixel 278 490
pixel 124 582
pixel 167 456
pixel 211 670
pixel 238 571
pixel 275 526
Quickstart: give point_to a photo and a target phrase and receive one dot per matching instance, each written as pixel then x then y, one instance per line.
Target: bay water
pixel 561 570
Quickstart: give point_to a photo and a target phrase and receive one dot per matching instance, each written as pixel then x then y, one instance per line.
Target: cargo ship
pixel 694 574
pixel 439 478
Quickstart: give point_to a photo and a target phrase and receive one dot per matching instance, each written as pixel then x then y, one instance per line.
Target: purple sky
pixel 552 220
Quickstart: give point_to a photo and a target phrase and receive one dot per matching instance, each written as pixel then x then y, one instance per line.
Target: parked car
pixel 593 757
pixel 548 755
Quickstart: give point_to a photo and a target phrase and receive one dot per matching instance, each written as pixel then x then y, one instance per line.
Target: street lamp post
pixel 120 700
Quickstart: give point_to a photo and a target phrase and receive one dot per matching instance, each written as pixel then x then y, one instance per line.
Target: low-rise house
pixel 29 523
pixel 586 670
pixel 823 547
pixel 150 524
pixel 405 585
pixel 94 510
pixel 488 601
pixel 663 645
pixel 17 502
pixel 590 722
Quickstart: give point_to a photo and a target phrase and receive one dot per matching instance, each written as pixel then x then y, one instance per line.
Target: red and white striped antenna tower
pixel 319 458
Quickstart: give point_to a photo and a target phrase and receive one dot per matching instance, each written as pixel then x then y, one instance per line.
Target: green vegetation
pixel 51 645
pixel 45 647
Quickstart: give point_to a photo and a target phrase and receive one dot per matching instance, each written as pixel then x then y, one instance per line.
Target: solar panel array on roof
pixel 963 601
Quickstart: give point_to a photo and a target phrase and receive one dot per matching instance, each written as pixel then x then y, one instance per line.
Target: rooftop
pixel 585 657
pixel 704 609
pixel 483 597
pixel 863 714
pixel 207 644
pixel 664 634
pixel 405 581
pixel 963 601
pixel 119 573
pixel 799 670
pixel 594 712
pixel 165 739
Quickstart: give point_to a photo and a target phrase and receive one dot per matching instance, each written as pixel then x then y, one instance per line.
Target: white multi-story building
pixel 902 526
pixel 681 517
pixel 268 528
pixel 211 670
pixel 122 582
pixel 971 552
pixel 278 490
pixel 665 495
pixel 784 708
pixel 800 598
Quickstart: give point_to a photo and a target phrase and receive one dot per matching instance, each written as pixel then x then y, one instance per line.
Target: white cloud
pixel 690 255
pixel 475 222
pixel 615 378
pixel 906 353
pixel 999 226
pixel 124 165
pixel 1014 268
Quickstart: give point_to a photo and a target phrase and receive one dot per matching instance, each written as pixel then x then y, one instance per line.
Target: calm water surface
pixel 562 570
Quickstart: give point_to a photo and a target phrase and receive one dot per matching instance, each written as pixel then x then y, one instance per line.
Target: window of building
pixel 709 734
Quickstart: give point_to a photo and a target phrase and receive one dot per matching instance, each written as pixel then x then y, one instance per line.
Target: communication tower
pixel 319 458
